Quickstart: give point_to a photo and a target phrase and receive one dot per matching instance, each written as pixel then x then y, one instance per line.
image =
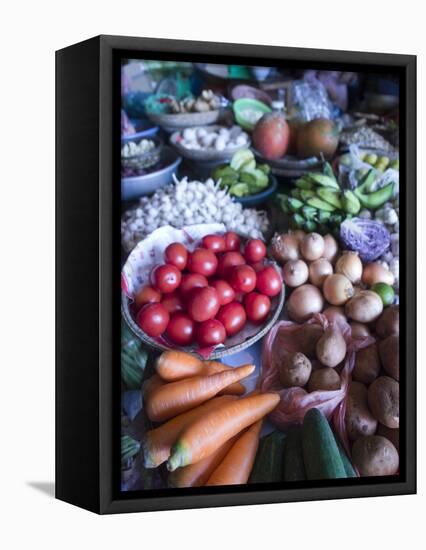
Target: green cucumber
pixel 316 202
pixel 267 466
pixel 294 467
pixel 349 469
pixel 320 451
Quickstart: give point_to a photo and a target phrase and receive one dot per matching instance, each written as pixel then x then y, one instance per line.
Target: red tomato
pixel 258 266
pixel 242 278
pixel 233 317
pixel 224 291
pixel 269 281
pixel 211 333
pixel 166 278
pixel 203 304
pixel 190 281
pixel 202 261
pixel 180 329
pixel 177 255
pixel 173 302
pixel 153 319
pixel 228 260
pixel 257 306
pixel 216 243
pixel 147 295
pixel 232 241
pixel 254 250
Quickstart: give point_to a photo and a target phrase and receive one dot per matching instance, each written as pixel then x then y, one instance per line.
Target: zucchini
pixel 347 464
pixel 320 451
pixel 267 466
pixel 294 467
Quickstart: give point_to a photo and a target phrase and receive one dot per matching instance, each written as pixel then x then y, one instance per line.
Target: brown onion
pixel 312 246
pixel 376 273
pixel 295 273
pixel 319 270
pixel 337 289
pixel 350 265
pixel 285 247
pixel 304 301
pixel 298 233
pixel 331 248
pixel 335 314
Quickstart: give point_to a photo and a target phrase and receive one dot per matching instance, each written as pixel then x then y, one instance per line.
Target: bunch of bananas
pixel 318 203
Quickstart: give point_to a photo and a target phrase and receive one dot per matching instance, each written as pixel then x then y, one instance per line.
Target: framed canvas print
pixel 236 291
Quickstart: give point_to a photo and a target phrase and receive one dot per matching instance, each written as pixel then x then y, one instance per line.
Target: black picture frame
pixel 88 288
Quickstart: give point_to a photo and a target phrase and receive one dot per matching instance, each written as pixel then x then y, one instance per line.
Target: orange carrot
pixel 205 435
pixel 196 475
pixel 177 397
pixel 176 365
pixel 235 468
pixel 150 385
pixel 157 443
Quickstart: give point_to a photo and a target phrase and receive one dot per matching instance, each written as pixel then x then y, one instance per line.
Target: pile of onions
pixel 304 301
pixel 376 273
pixel 295 273
pixel 349 264
pixel 331 248
pixel 285 247
pixel 319 270
pixel 337 289
pixel 312 246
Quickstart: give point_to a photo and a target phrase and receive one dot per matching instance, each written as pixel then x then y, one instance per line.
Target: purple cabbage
pixel 367 237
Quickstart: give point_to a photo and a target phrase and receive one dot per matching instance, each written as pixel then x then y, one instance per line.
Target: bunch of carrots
pixel 209 431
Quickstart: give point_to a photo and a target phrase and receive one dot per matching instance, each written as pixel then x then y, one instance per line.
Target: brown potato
pixel 325 379
pixel 383 400
pixel 367 365
pixel 358 419
pixel 389 354
pixel 331 348
pixel 294 370
pixel 390 433
pixel 374 455
pixel 359 330
pixel 365 306
pixel 306 339
pixel 388 322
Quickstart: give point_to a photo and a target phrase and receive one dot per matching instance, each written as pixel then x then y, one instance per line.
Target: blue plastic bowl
pixel 259 198
pixel 137 186
pixel 144 129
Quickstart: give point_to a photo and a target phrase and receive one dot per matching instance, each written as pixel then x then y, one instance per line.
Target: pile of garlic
pixel 187 203
pixel 217 138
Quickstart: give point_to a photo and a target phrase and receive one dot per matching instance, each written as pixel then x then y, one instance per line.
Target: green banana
pixel 294 204
pixel 350 202
pixel 306 194
pixel 331 196
pixel 305 183
pixel 309 213
pixel 377 198
pixel 328 170
pixel 324 181
pixel 310 226
pixel 296 193
pixel 367 181
pixel 316 202
pixel 323 216
pixel 394 164
pixel 297 221
pixel 283 202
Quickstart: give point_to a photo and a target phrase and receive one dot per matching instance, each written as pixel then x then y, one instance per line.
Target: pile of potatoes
pixel 372 406
pixel 316 366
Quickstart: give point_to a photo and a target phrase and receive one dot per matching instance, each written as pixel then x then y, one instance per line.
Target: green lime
pixel 385 292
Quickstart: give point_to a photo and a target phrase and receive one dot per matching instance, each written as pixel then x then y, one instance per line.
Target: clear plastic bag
pixel 309 100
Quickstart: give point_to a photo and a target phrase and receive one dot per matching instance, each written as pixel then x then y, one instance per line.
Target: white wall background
pixel 29 34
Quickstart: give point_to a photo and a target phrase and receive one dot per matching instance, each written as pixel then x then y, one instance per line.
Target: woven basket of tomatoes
pixel 201 289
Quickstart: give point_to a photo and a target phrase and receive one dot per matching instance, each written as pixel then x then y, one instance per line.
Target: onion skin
pixel 337 289
pixel 285 247
pixel 304 301
pixel 312 246
pixel 350 265
pixel 331 248
pixel 376 273
pixel 319 270
pixel 295 273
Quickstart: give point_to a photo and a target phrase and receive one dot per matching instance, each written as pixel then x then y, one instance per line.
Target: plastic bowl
pixel 259 198
pixel 134 187
pixel 242 91
pixel 144 129
pixel 144 160
pixel 242 105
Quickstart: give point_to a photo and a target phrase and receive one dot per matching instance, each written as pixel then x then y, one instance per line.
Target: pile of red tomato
pixel 207 295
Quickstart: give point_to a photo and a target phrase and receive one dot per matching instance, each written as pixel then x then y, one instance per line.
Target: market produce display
pixel 261 345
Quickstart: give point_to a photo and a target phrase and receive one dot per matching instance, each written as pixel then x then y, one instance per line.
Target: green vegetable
pixel 240 158
pixel 248 165
pixel 239 189
pixel 331 196
pixel 377 198
pixel 133 359
pixel 268 465
pixel 350 202
pixel 324 181
pixel 294 468
pixel 129 448
pixel 294 204
pixel 306 194
pixel 349 469
pixel 266 169
pixel 385 291
pixel 316 202
pixel 320 451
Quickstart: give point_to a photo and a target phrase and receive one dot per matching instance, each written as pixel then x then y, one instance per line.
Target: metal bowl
pixel 184 120
pixel 233 345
